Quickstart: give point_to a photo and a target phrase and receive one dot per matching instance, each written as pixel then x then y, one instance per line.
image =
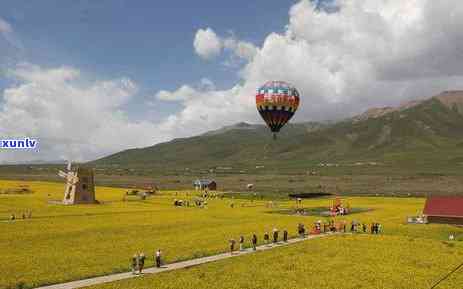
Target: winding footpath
pixel 175 266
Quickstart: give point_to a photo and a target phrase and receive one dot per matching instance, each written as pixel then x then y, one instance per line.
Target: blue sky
pixel 147 41
pixel 121 74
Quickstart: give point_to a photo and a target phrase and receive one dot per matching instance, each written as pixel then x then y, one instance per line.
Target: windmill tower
pixel 80 186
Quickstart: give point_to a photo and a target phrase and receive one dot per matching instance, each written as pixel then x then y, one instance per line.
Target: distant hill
pixel 420 135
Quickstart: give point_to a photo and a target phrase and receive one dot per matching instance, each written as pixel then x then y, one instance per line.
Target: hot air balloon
pixel 277 101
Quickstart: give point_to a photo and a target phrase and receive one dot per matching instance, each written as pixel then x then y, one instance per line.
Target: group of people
pixel 253 240
pixel 208 195
pixel 181 203
pixel 341 226
pixel 138 261
pixel 375 228
pixel 24 215
pixel 275 237
pixel 201 201
pixel 198 202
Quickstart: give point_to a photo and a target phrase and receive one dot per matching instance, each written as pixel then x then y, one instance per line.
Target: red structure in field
pixel 444 210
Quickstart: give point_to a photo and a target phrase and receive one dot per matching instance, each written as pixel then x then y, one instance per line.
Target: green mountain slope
pixel 422 135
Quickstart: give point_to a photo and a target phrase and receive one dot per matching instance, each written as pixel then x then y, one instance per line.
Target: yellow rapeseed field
pixel 62 243
pixel 341 262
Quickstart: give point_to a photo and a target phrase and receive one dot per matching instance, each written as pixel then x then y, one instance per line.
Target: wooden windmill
pixel 80 186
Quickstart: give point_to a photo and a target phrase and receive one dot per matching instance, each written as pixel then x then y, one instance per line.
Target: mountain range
pixel 424 135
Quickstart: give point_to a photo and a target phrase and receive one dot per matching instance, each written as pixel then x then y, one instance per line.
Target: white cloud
pixel 206 84
pixel 206 43
pixel 183 93
pixel 205 109
pixel 72 118
pixel 240 49
pixel 366 53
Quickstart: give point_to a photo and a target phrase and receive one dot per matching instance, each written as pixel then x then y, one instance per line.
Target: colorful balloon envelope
pixel 277 101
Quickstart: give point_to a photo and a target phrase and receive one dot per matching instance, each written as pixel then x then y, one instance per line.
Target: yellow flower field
pixel 63 243
pixel 341 262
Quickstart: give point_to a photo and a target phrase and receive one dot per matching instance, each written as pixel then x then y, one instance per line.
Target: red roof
pixel 444 206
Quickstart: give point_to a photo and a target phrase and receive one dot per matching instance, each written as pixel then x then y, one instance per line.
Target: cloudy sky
pixel 89 78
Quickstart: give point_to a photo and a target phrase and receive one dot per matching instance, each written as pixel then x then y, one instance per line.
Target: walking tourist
pixel 285 236
pixel 141 263
pixel 134 264
pixel 158 258
pixel 232 245
pixel 266 238
pixel 301 230
pixel 275 235
pixel 254 242
pixel 364 227
pixel 241 243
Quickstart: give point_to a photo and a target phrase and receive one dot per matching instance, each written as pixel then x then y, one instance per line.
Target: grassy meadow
pixel 360 180
pixel 62 243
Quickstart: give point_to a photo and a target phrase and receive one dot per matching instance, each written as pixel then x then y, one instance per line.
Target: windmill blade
pixel 69 165
pixel 62 174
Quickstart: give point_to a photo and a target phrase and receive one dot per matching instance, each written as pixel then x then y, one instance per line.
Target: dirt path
pixel 173 266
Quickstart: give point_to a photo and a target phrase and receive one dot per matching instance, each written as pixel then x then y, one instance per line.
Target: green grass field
pixel 63 243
